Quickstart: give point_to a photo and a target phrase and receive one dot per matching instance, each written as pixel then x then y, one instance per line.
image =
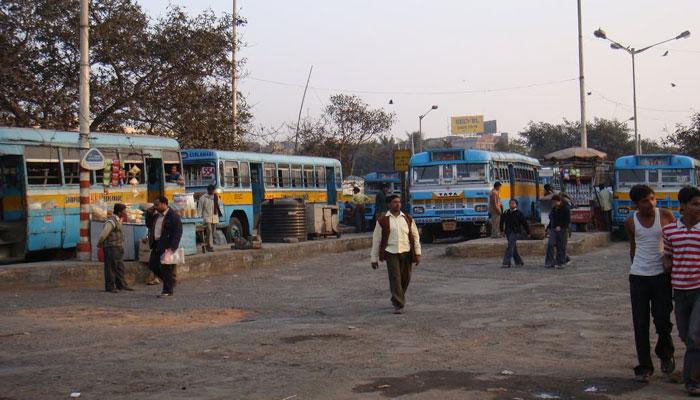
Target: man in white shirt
pixel 208 208
pixel 605 198
pixel 397 242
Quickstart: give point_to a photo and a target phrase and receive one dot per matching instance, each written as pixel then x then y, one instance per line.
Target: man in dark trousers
pixel 513 224
pixel 112 242
pixel 559 220
pixel 650 285
pixel 167 232
pixel 397 242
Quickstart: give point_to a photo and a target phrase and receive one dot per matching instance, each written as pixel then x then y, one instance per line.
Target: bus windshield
pixel 201 173
pixel 471 173
pixel 675 177
pixel 426 175
pixel 631 177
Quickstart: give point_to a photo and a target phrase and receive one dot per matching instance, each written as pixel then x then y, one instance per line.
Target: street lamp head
pixel 599 33
pixel 434 107
pixel 616 46
pixel 683 35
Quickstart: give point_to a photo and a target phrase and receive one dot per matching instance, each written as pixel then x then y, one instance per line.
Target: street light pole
pixel 599 33
pixel 83 247
pixel 420 130
pixel 582 88
pixel 637 141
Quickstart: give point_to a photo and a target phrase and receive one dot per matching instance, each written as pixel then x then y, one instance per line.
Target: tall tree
pixel 346 124
pixel 687 137
pixel 169 76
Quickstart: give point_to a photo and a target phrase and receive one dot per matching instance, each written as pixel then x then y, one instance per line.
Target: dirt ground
pixel 323 329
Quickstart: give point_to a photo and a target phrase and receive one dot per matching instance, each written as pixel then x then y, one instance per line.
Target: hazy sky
pixel 457 54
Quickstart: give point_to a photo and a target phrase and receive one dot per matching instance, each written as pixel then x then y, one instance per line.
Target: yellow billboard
pixel 467 124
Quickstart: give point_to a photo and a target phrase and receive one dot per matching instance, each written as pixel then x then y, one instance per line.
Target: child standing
pixel 559 219
pixel 514 222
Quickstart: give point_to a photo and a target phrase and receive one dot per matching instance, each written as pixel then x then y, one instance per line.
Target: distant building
pixel 487 142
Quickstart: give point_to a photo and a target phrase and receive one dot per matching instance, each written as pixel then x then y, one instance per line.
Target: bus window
pixel 429 174
pixel 133 159
pixel 296 176
pixel 630 177
pixel 675 176
pixel 283 175
pixel 245 174
pixel 171 159
pixel 232 174
pixel 320 176
pixel 43 167
pixel 448 173
pixel 338 178
pixel 202 173
pixel 270 175
pixel 71 166
pixel 309 176
pixel 110 155
pixel 653 178
pixel 471 172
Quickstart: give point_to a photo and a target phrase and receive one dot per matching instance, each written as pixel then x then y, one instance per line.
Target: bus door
pixel 511 174
pixel 13 217
pixel 257 186
pixel 156 178
pixel 330 185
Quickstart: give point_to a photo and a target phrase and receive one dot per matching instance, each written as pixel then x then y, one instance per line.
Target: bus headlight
pixel 480 208
pixel 623 210
pixel 418 210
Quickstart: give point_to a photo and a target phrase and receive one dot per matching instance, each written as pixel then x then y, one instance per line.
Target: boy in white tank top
pixel 650 286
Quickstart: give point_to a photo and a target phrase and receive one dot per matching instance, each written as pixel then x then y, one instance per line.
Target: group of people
pixel 164 233
pixel 665 268
pixel 360 200
pixel 665 271
pixel 513 225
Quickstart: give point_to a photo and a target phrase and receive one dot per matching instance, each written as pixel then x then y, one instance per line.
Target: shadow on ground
pixel 502 387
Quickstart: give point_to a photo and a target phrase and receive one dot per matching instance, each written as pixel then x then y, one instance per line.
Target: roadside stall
pixel 580 171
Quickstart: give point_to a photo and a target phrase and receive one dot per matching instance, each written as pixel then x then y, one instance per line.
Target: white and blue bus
pixel 245 179
pixel 665 173
pixel 449 189
pixel 40 188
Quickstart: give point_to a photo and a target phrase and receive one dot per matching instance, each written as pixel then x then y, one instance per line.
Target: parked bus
pixel 374 182
pixel 39 183
pixel 245 179
pixel 449 189
pixel 665 173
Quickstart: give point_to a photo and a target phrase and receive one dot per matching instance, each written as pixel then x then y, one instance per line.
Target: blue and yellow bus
pixel 374 183
pixel 449 189
pixel 245 179
pixel 39 183
pixel 665 173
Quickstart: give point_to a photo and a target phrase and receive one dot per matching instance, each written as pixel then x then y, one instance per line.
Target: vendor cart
pixel 581 170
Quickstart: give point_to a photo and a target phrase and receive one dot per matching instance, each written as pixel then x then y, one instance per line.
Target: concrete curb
pixel 579 243
pixel 67 273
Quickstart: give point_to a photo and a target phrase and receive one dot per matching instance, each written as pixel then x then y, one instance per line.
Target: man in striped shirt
pixel 682 257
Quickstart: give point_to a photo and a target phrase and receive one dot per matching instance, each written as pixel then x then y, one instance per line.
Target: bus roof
pixel 382 177
pixel 471 155
pixel 655 160
pixel 207 154
pixel 48 137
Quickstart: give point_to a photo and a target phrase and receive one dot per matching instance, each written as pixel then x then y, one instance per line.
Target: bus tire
pixel 234 230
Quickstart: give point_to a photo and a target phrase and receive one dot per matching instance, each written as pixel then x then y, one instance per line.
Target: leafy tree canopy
pixel 169 76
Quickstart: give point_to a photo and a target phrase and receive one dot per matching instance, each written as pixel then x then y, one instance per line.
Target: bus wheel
pixel 235 229
pixel 428 235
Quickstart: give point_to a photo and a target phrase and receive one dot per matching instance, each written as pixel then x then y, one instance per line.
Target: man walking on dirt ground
pixel 167 232
pixel 650 285
pixel 495 210
pixel 397 242
pixel 682 257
